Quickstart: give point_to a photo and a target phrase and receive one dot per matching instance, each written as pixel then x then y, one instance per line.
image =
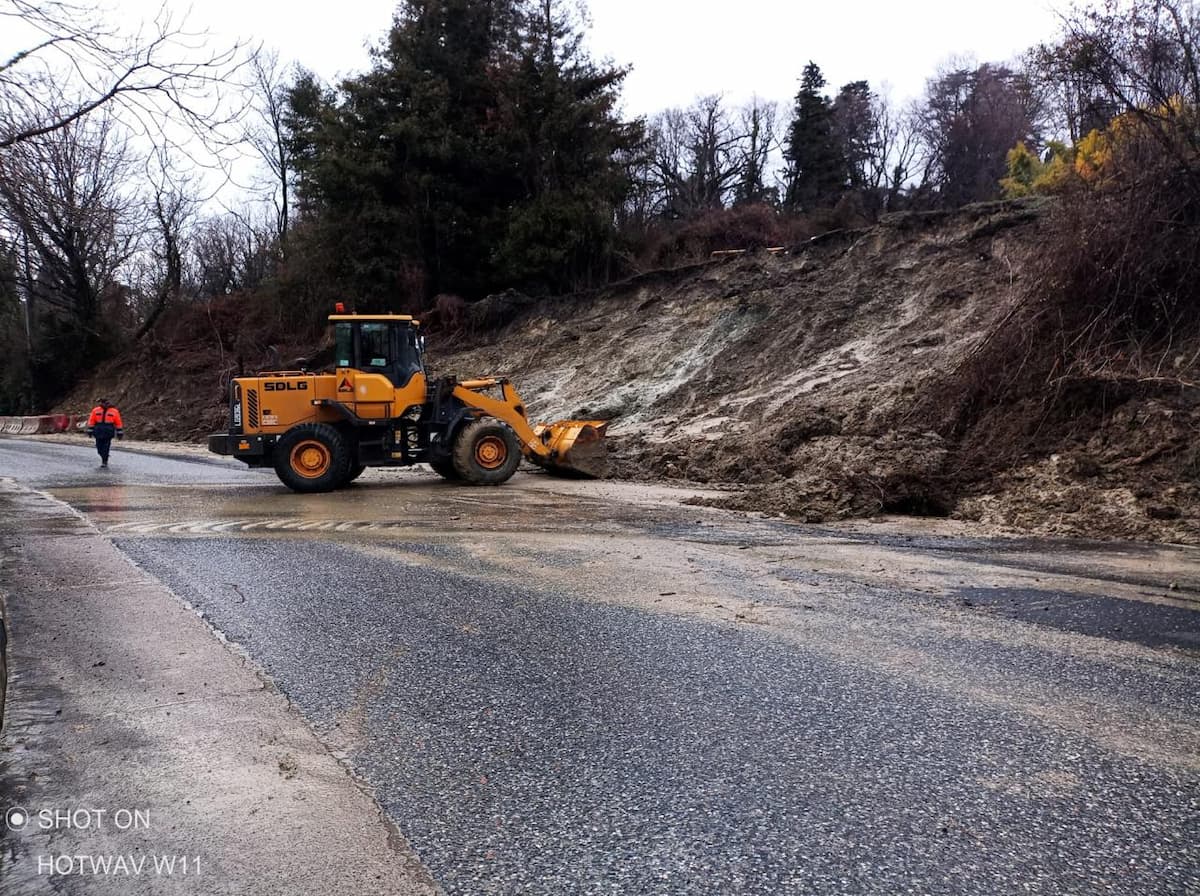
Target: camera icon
pixel 16 818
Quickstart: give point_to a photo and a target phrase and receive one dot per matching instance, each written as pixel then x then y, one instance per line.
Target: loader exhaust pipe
pixel 572 448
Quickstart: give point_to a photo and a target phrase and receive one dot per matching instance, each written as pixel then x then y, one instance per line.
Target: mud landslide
pixel 804 383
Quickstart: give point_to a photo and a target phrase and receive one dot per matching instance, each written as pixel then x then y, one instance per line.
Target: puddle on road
pixel 571 528
pixel 418 504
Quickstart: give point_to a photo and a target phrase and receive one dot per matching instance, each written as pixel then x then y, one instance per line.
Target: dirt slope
pixel 808 345
pixel 801 380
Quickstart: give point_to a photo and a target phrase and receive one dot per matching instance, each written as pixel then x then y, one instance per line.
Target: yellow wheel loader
pixel 377 408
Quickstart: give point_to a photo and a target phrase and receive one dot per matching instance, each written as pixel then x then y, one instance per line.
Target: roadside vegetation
pixel 1110 316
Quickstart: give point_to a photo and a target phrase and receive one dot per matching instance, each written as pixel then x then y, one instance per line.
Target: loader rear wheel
pixel 486 452
pixel 356 470
pixel 312 457
pixel 445 469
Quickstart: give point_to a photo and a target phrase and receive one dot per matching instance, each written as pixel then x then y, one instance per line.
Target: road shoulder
pixel 127 713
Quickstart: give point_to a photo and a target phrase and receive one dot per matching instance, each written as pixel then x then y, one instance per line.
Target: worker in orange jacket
pixel 102 425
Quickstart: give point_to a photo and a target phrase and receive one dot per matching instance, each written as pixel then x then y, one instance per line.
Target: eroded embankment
pixel 806 380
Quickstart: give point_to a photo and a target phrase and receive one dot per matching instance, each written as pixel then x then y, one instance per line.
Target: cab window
pixel 373 346
pixel 408 354
pixel 343 337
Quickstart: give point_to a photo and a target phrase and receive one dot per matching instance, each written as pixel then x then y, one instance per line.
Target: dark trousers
pixel 103 443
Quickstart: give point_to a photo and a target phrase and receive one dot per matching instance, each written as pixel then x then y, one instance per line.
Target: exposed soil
pixel 800 381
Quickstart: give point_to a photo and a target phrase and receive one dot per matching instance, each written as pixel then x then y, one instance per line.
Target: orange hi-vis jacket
pixel 102 417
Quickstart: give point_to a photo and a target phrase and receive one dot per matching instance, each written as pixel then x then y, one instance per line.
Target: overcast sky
pixel 681 49
pixel 678 50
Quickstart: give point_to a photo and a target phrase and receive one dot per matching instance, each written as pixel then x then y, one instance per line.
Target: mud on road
pixel 662 694
pixel 897 580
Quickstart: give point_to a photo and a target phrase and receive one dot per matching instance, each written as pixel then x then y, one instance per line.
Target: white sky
pixel 681 49
pixel 678 49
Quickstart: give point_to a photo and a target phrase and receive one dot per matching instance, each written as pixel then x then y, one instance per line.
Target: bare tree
pixel 642 200
pixel 1077 102
pixel 160 275
pixel 1138 57
pixel 74 225
pixel 215 257
pixel 63 194
pixel 667 169
pixel 896 150
pixel 231 252
pixel 72 61
pixel 268 135
pixel 712 143
pixel 695 157
pixel 758 144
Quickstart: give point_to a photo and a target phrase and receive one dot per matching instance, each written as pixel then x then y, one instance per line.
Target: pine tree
pixel 854 131
pixel 407 166
pixel 560 114
pixel 479 152
pixel 307 108
pixel 816 168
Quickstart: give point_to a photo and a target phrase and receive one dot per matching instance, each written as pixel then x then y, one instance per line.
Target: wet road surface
pixel 590 688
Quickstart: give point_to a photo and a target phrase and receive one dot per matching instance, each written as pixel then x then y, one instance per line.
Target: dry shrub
pixel 670 244
pixel 1111 312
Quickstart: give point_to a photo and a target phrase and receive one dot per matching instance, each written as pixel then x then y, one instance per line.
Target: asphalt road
pixel 585 688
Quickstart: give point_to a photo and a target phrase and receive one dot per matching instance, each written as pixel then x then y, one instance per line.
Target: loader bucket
pixel 576 448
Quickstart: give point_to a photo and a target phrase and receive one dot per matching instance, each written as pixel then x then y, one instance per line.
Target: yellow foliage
pixel 1094 153
pixel 1023 170
pixel 1028 174
pixel 1102 156
pixel 1055 175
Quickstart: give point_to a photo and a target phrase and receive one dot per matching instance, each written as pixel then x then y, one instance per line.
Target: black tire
pixel 444 467
pixel 356 470
pixel 312 457
pixel 486 452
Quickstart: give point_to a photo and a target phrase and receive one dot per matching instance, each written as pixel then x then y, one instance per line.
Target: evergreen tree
pixel 308 107
pixel 969 121
pixel 816 168
pixel 560 118
pixel 406 167
pixel 854 130
pixel 479 152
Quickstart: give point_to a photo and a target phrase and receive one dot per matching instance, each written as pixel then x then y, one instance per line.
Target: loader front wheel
pixel 445 469
pixel 312 457
pixel 486 452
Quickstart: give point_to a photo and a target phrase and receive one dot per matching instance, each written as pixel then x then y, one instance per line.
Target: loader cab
pixel 388 344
